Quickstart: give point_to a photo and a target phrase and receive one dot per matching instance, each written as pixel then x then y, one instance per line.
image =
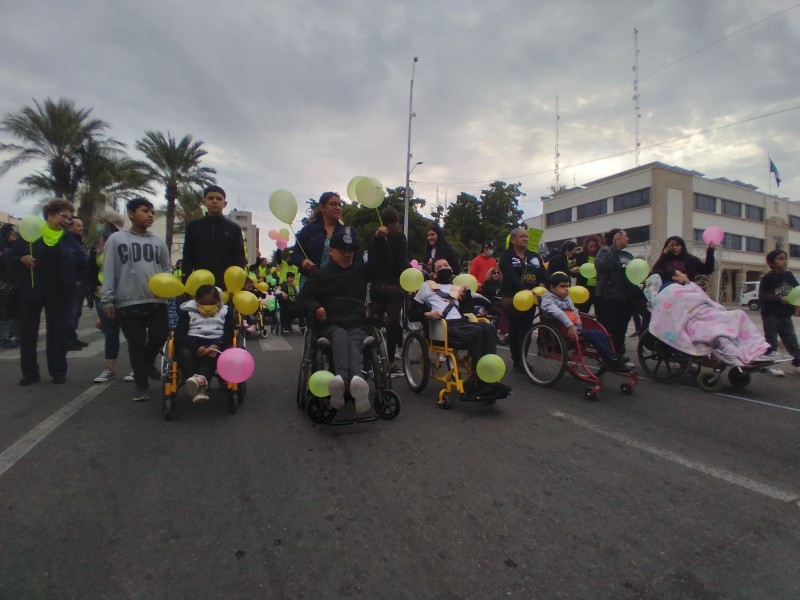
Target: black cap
pixel 345 239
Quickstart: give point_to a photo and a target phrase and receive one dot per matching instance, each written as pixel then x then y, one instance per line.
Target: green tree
pixel 174 164
pixel 56 133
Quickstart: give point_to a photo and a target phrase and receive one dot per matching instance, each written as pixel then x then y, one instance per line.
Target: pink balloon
pixel 713 235
pixel 414 264
pixel 235 365
pixel 273 234
pixel 281 244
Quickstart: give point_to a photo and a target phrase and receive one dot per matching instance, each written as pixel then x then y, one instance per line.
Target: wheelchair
pixel 547 355
pixel 172 379
pixel 317 356
pixel 664 363
pixel 428 352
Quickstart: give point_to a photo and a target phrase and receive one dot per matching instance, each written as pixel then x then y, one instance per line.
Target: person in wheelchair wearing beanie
pixel 439 299
pixel 334 298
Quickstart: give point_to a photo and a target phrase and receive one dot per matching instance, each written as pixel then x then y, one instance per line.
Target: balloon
pixel 370 192
pixel 351 187
pixel 246 302
pixel 272 281
pixel 165 285
pixel 281 244
pixel 637 271
pixel 490 368
pixel 262 286
pixel 411 279
pixel 466 280
pixel 252 277
pixel 588 270
pixel 235 365
pixel 414 264
pixel 539 290
pixel 198 278
pixel 270 303
pixel 794 296
pixel 226 297
pixel 31 227
pixel 234 278
pixel 283 234
pixel 318 383
pixel 273 234
pixel 713 235
pixel 283 205
pixel 524 300
pixel 579 294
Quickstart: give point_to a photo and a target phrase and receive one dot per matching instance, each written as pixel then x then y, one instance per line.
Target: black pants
pixel 387 300
pixel 191 364
pixel 615 314
pixel 479 338
pixel 518 325
pixel 781 326
pixel 146 334
pixel 57 316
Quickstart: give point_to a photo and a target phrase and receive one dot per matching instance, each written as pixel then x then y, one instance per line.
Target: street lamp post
pixel 411 115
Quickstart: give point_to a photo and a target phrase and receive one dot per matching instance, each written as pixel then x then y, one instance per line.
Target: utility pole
pixel 411 115
pixel 637 109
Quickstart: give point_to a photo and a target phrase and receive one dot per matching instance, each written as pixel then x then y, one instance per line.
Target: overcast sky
pixel 304 95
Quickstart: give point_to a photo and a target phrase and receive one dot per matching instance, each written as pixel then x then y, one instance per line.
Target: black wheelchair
pixel 317 355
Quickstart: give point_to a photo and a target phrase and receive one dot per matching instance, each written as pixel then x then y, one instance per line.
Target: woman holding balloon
pixel 677 265
pixel 312 242
pixel 587 275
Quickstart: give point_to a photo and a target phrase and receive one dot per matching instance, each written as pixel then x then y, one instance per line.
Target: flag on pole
pixel 774 169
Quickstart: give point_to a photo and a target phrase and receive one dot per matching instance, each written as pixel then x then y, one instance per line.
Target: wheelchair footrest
pixel 484 397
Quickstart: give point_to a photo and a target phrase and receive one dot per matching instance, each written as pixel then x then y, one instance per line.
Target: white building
pixel 655 201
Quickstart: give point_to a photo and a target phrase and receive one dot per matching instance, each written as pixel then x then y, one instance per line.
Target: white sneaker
pixel 775 372
pixel 129 377
pixel 359 390
pixel 106 376
pixel 196 387
pixel 336 391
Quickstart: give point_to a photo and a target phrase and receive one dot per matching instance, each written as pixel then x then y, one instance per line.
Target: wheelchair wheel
pixel 380 362
pixel 544 354
pixel 166 407
pixel 167 394
pixel 659 360
pixel 387 404
pixel 319 411
pixel 445 401
pixel 416 361
pixel 710 381
pixel 739 378
pixel 304 373
pixel 233 401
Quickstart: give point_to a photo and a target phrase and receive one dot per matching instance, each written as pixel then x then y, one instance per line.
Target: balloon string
pixel 299 245
pixel 379 217
pixel 30 245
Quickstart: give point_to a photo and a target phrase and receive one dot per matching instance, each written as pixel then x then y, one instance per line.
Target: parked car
pixel 749 295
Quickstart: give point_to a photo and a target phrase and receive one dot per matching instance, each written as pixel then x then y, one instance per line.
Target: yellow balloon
pixel 369 192
pixel 579 294
pixel 165 285
pixel 246 302
pixel 198 278
pixel 466 280
pixel 524 300
pixel 234 278
pixel 411 279
pixel 225 297
pixel 540 290
pixel 318 383
pixel 490 368
pixel 31 228
pixel 263 286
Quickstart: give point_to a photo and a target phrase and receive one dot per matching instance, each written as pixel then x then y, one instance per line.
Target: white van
pixel 749 295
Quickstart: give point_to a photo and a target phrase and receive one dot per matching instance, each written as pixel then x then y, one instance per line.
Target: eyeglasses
pixel 334 204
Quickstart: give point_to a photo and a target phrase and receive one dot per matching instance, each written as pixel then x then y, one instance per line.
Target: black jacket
pixel 342 292
pixel 60 269
pixel 773 287
pixel 519 274
pixel 213 243
pixel 389 253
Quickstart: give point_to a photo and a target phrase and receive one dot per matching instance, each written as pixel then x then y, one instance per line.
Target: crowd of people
pixel 325 280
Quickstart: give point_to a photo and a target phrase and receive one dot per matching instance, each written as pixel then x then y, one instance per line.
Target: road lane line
pixel 274 342
pixel 12 454
pixel 688 387
pixel 727 476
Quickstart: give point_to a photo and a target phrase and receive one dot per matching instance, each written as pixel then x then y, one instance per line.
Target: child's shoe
pixel 196 387
pixel 359 390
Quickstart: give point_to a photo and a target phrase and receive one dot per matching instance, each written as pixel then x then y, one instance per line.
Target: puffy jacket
pixel 342 292
pixel 213 243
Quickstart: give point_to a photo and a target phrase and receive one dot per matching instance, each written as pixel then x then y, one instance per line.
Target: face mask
pixel 208 310
pixel 444 276
pixel 101 229
pixel 489 252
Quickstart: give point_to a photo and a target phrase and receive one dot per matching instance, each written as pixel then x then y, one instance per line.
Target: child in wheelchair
pixel 204 330
pixel 557 304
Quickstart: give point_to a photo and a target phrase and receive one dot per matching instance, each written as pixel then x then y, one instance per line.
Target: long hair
pixel 659 264
pixel 323 200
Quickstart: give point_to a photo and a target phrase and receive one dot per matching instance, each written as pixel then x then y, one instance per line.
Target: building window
pixel 705 203
pixel 698 236
pixel 558 217
pixel 593 209
pixel 632 200
pixel 638 235
pixel 794 250
pixel 754 245
pixel 731 208
pixel 753 213
pixel 794 221
pixel 731 241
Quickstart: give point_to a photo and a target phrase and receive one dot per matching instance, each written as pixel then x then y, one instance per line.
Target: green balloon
pixel 318 383
pixel 270 303
pixel 31 227
pixel 490 368
pixel 588 270
pixel 466 280
pixel 283 205
pixel 351 187
pixel 370 192
pixel 794 296
pixel 411 279
pixel 637 271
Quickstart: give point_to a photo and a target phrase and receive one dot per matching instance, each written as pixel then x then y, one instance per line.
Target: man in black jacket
pixel 213 242
pixel 334 297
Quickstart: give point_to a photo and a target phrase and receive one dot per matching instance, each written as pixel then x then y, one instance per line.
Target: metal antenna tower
pixel 637 109
pixel 557 153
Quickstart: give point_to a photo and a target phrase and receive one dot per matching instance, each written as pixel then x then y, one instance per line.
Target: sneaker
pixel 106 376
pixel 775 372
pixel 336 391
pixel 396 372
pixel 74 347
pixel 129 377
pixel 359 390
pixel 142 396
pixel 194 384
pixel 81 343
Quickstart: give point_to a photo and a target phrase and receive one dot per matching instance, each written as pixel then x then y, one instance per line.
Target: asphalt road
pixel 669 493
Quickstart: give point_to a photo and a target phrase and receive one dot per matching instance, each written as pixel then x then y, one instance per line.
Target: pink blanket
pixel 688 320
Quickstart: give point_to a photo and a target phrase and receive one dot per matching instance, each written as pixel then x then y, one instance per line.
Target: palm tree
pixel 174 164
pixel 53 132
